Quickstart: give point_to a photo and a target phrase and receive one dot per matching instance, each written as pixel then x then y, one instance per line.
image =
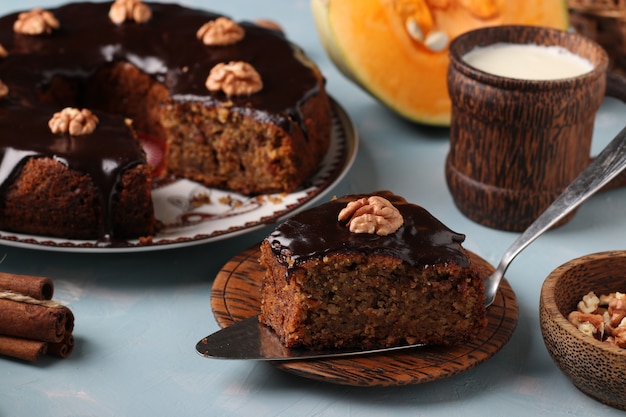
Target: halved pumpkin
pixel 397 50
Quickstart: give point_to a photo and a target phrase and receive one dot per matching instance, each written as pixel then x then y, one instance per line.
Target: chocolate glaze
pixel 166 48
pixel 421 241
pixel 103 155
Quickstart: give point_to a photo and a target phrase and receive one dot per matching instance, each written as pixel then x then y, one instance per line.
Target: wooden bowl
pixel 595 367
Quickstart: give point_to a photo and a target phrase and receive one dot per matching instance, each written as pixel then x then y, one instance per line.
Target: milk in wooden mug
pixel 527 61
pixel 524 100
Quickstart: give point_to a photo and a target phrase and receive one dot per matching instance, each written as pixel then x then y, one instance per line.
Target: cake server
pixel 606 166
pixel 249 339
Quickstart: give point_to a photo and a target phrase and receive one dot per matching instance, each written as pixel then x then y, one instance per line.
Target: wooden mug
pixel 516 144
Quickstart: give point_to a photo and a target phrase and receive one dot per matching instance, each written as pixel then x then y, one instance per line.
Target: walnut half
pixel 4 90
pixel 219 32
pixel 73 121
pixel 123 10
pixel 373 214
pixel 236 78
pixel 35 22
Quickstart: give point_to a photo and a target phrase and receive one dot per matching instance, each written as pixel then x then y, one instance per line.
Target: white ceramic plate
pixel 193 214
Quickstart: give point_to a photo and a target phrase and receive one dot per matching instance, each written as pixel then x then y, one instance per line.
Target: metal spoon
pixel 606 166
pixel 248 339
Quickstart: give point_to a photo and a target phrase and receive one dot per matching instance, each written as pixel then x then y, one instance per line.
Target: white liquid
pixel 527 61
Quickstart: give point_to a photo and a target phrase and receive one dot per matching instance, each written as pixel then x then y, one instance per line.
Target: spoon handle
pixel 606 166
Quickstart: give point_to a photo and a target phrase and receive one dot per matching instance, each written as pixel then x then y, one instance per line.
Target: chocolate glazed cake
pixel 333 280
pixel 82 187
pixel 153 71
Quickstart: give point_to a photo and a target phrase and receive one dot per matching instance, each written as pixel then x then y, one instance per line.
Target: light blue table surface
pixel 139 315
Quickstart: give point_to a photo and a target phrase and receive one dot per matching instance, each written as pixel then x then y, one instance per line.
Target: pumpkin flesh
pixel 369 42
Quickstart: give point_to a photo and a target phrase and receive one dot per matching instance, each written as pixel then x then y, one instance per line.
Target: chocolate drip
pixel 421 241
pixel 104 155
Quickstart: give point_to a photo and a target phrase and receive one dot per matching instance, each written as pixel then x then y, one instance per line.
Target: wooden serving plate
pixel 236 296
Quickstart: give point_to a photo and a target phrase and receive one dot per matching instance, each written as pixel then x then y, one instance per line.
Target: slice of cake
pixel 366 271
pixel 94 185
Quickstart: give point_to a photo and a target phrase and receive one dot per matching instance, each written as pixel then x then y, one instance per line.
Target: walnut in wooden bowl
pixel 594 364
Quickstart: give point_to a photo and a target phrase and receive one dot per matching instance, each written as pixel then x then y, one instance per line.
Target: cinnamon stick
pixel 28 350
pixel 27 318
pixel 40 288
pixel 31 324
pixel 63 348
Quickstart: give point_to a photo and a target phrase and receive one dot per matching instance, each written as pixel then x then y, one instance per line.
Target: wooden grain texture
pixel 594 367
pixel 603 21
pixel 515 145
pixel 236 295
